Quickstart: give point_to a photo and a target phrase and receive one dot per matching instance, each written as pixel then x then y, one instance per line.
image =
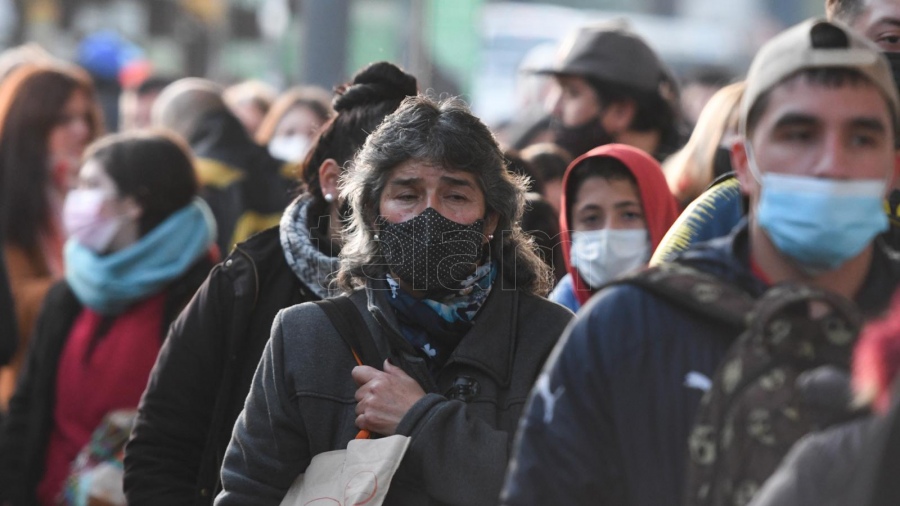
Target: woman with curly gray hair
pixel 450 290
pixel 442 138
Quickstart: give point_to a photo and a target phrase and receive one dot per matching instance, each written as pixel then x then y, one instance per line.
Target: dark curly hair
pixel 442 133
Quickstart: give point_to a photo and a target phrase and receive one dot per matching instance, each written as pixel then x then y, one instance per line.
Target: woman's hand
pixel 383 398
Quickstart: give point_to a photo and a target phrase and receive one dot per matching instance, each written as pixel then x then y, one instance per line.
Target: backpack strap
pixel 353 330
pixel 694 291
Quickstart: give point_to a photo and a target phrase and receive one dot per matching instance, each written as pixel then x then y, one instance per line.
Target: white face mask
pixel 603 255
pixel 84 221
pixel 291 148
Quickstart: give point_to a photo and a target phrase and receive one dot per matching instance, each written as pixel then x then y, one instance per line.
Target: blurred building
pixel 469 47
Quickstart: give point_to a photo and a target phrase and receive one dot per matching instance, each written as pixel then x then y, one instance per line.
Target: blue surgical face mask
pixel 821 223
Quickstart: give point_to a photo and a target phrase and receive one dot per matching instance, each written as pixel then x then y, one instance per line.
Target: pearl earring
pixel 490 237
pixel 329 198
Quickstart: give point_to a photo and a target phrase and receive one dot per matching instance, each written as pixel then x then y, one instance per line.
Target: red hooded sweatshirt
pixel 660 207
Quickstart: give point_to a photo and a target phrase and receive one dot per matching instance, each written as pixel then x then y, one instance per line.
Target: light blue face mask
pixel 821 223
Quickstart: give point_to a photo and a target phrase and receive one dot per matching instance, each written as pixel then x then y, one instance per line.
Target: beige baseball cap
pixel 817 43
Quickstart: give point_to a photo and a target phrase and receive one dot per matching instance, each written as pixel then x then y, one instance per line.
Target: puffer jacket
pixel 610 418
pixel 302 402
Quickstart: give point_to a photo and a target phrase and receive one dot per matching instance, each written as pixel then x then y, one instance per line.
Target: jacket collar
pixel 729 258
pixel 489 346
pixel 220 136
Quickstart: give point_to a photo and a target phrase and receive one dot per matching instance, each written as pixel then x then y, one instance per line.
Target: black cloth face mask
pixel 580 139
pixel 431 253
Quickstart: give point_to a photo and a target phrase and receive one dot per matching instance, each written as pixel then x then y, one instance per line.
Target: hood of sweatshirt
pixel 659 206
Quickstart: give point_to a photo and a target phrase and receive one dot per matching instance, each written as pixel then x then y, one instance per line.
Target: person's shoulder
pixel 260 246
pixel 22 263
pixel 615 298
pixel 819 466
pixel 194 276
pixel 307 340
pixel 299 313
pixel 256 257
pixel 310 318
pixel 608 329
pixel 60 298
pixel 627 309
pixel 711 215
pixel 837 443
pixel 300 327
pixel 670 288
pixel 543 307
pixel 564 283
pixel 564 293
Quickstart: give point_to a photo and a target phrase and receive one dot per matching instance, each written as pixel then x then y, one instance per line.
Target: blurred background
pixel 473 48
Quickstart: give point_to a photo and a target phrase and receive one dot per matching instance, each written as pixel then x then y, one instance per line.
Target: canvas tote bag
pixel 361 474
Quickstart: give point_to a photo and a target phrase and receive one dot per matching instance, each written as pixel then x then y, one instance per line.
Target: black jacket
pixel 26 429
pixel 203 374
pixel 246 188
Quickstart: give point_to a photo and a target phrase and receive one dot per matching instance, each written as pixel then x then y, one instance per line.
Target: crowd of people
pixel 638 302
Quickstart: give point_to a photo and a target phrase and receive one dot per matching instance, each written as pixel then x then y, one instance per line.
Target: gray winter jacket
pixel 302 401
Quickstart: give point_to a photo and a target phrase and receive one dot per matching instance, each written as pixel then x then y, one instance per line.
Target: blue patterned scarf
pixel 435 327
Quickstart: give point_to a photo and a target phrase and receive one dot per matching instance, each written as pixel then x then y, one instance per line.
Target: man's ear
pixel 329 177
pixel 617 116
pixel 740 162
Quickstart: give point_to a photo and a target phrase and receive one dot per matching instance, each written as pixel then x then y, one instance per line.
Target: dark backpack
pixel 754 412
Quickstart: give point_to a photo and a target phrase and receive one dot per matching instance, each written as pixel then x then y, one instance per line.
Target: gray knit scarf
pixel 313 268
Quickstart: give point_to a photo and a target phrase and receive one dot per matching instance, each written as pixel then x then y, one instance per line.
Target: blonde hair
pixel 690 170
